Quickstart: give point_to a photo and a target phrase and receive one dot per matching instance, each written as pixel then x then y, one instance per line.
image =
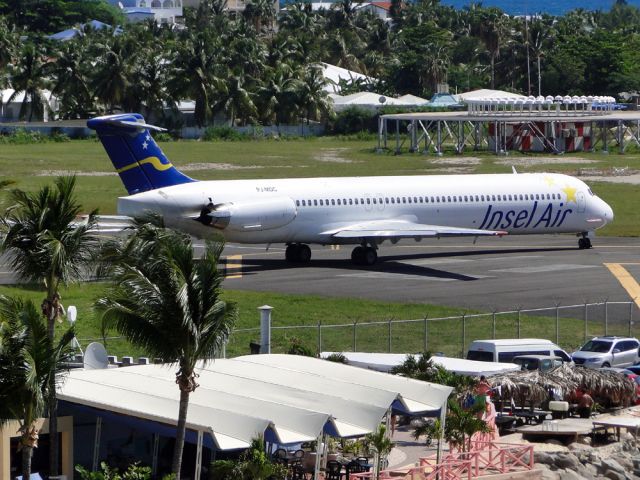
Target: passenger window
pixel 432 200
pixel 521 197
pixel 420 199
pixel 356 201
pixel 351 201
pixel 393 200
pixel 380 200
pixel 562 355
pixel 455 199
pixel 333 202
pixel 362 201
pixel 321 204
pixel 368 201
pixel 466 199
pixel 493 197
pixel 374 201
pixel 415 199
pixel 315 203
pixel 304 204
pixel 510 198
pixel 409 198
pixel 339 202
pixel 386 200
pixel 297 203
pixel 404 199
pixel 448 198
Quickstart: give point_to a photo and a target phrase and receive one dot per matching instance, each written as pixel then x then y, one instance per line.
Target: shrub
pixel 296 347
pixel 222 133
pixel 354 119
pixel 162 137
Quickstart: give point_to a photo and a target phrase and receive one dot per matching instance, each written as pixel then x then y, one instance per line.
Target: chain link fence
pixel 566 325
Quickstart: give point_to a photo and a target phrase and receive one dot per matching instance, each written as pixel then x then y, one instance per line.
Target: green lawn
pixel 34 165
pixel 308 310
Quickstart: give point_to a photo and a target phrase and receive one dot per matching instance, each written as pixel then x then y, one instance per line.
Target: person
pixel 585 404
pixel 483 387
pixel 489 417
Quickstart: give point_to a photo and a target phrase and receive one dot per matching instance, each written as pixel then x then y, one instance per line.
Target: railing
pixel 485 458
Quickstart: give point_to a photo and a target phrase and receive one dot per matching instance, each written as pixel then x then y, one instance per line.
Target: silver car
pixel 608 352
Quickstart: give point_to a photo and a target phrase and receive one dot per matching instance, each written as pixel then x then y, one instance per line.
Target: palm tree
pixel 168 304
pixel 70 80
pixel 113 74
pixel 382 446
pixel 47 245
pixel 30 366
pixel 492 27
pixel 28 75
pixel 313 100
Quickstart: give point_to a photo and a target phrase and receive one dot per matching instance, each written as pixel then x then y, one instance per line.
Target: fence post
pixel 494 325
pixel 319 337
pixel 426 333
pixel 630 317
pixel 557 324
pixel 354 335
pixel 606 317
pixel 518 322
pixel 464 333
pixel 586 319
pixel 389 346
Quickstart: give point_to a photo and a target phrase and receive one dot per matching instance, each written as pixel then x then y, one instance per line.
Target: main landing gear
pixel 584 242
pixel 364 255
pixel 298 253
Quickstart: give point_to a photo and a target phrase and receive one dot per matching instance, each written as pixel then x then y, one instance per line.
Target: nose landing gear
pixel 584 242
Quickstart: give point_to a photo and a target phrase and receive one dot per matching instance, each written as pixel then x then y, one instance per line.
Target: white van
pixel 504 350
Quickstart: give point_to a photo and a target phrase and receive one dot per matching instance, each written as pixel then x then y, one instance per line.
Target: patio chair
pixel 298 472
pixel 280 456
pixel 334 470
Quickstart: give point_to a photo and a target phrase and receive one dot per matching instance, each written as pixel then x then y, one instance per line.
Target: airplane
pixel 361 211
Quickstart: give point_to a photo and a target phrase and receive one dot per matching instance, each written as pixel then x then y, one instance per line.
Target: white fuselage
pixel 300 210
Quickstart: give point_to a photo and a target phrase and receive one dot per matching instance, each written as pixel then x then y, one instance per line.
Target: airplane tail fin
pixel 137 158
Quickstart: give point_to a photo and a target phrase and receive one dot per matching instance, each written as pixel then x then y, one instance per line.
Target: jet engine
pixel 263 214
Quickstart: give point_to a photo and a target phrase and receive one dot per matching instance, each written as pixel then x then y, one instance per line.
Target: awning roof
pixel 238 399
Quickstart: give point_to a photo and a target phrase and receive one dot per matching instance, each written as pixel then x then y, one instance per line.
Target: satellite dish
pixel 95 357
pixel 382 99
pixel 72 314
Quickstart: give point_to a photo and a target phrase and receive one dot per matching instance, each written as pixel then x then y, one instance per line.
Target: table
pixel 631 424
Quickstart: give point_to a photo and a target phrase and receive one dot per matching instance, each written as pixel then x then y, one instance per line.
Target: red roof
pixel 384 5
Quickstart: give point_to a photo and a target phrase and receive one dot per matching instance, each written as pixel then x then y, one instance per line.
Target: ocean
pixel 529 7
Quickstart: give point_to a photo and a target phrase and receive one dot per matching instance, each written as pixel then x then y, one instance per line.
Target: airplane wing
pixel 389 229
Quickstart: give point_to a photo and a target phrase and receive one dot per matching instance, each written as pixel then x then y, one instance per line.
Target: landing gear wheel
pixel 370 256
pixel 297 253
pixel 364 256
pixel 584 243
pixel 304 254
pixel 357 255
pixel 291 253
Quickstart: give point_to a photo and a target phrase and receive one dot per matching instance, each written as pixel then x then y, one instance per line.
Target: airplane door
pixel 581 201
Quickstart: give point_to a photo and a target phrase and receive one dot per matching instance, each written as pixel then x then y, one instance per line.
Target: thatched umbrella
pixel 535 387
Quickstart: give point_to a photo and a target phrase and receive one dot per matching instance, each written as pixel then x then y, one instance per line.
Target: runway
pixel 494 274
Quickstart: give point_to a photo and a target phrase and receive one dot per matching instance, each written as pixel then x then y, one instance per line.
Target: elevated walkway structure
pixel 540 129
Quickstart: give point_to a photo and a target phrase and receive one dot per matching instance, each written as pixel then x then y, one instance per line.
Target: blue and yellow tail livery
pixel 137 158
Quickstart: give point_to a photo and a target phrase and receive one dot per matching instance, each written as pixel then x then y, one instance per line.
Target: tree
pixel 48 246
pixel 382 445
pixel 30 365
pixel 462 423
pixel 168 304
pixel 313 101
pixel 70 81
pixel 28 75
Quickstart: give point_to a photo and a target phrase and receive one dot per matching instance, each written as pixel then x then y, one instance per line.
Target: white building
pixel 163 11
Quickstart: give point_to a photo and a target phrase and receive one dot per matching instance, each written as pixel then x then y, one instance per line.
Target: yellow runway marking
pixel 626 280
pixel 234 267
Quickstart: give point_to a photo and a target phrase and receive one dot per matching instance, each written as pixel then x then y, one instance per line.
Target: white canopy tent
pixel 474 368
pixel 290 399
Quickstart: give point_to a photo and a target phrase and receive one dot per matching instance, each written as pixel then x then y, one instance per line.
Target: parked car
pixel 538 362
pixel 635 369
pixel 505 350
pixel 608 351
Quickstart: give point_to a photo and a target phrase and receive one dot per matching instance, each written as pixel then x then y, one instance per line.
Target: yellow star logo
pixel 570 192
